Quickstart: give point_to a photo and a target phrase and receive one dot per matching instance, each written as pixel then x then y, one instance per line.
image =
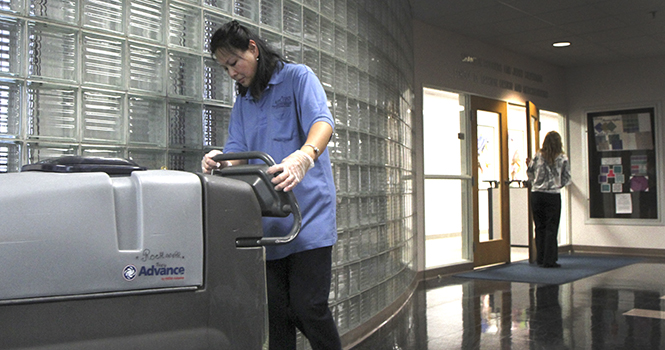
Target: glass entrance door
pixel 491 232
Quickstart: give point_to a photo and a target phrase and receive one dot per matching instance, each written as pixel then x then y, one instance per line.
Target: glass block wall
pixel 133 79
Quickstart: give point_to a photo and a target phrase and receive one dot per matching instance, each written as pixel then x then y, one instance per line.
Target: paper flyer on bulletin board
pixel 622 164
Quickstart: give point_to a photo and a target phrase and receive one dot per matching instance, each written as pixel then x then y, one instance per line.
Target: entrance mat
pixel 573 267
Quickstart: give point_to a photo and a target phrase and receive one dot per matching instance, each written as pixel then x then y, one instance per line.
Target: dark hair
pixel 552 147
pixel 233 36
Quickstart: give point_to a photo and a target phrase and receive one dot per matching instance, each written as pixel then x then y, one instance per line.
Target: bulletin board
pixel 622 164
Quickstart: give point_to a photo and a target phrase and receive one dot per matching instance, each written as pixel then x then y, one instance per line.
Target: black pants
pixel 298 289
pixel 546 209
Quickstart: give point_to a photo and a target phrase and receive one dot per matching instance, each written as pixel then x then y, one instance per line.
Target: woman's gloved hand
pixel 293 169
pixel 207 164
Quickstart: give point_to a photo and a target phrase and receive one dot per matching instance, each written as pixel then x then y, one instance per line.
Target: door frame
pixel 498 250
pixel 533 146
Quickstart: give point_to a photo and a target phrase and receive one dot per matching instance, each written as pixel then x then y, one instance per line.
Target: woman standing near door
pixel 548 172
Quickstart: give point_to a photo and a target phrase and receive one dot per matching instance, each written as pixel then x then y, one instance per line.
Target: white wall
pixel 635 83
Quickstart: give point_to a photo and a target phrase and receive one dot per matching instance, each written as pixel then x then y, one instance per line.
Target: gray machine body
pixel 148 260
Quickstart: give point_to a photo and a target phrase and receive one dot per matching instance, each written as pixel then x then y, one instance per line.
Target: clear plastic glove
pixel 293 169
pixel 207 164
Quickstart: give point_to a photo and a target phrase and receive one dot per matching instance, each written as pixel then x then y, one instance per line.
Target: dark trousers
pixel 546 209
pixel 298 289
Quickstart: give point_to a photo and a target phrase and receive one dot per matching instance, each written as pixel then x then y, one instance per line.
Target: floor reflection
pixel 619 309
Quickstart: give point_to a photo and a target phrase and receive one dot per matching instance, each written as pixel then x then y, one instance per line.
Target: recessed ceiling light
pixel 561 44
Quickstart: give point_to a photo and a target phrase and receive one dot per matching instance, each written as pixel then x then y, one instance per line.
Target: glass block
pixel 363 86
pixel 340 77
pixel 185 125
pixel 248 9
pixel 147 121
pixel 352 113
pixel 65 11
pixel 340 114
pixel 327 76
pixel 11 6
pixel 38 151
pixel 11 50
pixel 352 17
pixel 328 9
pixel 184 26
pixel 104 14
pixel 292 13
pixel 211 22
pixel 311 58
pixel 354 241
pixel 292 50
pixel 342 214
pixel 342 316
pixel 184 160
pixel 340 171
pixel 53 52
pixel 271 14
pixel 354 312
pixel 340 43
pixel 363 55
pixel 273 39
pixel 352 210
pixel 146 68
pixel 354 278
pixel 103 60
pixel 184 74
pixel 51 112
pixel 341 249
pixel 365 177
pixel 340 12
pixel 366 305
pixel 10 157
pixel 102 152
pixel 373 91
pixel 313 4
pixel 146 19
pixel 215 125
pixel 373 238
pixel 354 179
pixel 103 116
pixel 327 36
pixel 310 27
pixel 332 296
pixel 364 246
pixel 150 159
pixel 342 145
pixel 10 108
pixel 342 282
pixel 352 50
pixel 217 85
pixel 353 81
pixel 224 5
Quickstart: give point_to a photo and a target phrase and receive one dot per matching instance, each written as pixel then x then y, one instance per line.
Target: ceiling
pixel 600 31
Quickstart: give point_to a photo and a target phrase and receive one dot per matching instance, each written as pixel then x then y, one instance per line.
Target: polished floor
pixel 619 309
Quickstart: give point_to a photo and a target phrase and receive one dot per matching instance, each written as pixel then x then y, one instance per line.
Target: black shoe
pixel 551 265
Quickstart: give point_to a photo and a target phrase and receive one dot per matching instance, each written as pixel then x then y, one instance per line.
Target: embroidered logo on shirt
pixel 284 101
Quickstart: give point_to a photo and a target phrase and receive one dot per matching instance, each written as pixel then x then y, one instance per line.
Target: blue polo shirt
pixel 278 124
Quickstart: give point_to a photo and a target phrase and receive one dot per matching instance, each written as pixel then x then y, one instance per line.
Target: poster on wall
pixel 622 164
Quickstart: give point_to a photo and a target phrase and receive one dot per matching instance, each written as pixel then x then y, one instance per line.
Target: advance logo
pixel 167 273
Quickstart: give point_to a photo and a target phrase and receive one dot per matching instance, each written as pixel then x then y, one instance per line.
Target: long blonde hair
pixel 552 147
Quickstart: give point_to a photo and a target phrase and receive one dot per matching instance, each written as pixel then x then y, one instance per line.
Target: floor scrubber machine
pixel 103 254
